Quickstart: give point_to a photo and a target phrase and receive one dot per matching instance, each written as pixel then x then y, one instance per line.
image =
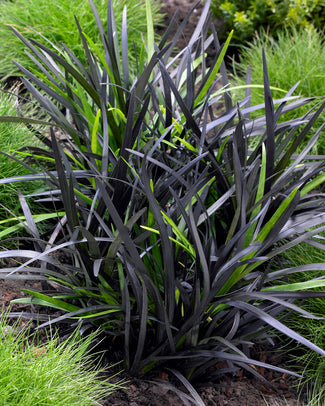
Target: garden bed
pixel 231 391
pixel 242 389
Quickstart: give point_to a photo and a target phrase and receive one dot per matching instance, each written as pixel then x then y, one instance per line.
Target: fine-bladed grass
pixel 295 55
pixel 314 372
pixel 52 373
pixel 31 18
pixel 169 216
pixel 13 137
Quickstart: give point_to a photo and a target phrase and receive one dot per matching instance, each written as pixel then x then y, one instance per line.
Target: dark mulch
pixel 231 391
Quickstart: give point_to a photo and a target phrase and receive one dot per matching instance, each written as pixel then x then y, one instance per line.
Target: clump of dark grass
pixel 170 216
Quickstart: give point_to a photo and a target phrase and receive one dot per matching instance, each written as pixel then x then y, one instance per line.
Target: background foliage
pixel 31 18
pixel 250 16
pixel 13 137
pixel 293 56
pixel 314 372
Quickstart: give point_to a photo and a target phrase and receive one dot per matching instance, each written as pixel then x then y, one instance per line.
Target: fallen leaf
pixel 267 390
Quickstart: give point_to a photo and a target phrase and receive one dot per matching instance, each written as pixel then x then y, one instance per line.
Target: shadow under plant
pixel 168 216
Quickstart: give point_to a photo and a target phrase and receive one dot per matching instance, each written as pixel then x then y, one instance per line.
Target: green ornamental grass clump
pixel 169 218
pixel 53 373
pixel 314 373
pixel 294 56
pixel 55 21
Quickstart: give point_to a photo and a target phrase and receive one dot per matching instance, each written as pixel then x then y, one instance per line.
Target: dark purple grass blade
pixel 189 118
pixel 270 127
pixel 68 199
pixel 141 339
pixel 125 52
pixel 166 247
pixel 275 324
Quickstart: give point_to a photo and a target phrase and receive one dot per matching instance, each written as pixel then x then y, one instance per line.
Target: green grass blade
pixel 214 72
pixel 94 140
pixel 276 216
pixel 150 30
pixel 319 180
pixel 313 284
pixel 259 196
pixel 52 301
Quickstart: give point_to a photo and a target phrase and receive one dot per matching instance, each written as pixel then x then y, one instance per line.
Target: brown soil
pixel 183 8
pixel 240 390
pixel 228 392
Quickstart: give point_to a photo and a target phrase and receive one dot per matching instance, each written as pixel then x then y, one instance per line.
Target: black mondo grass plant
pixel 167 220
